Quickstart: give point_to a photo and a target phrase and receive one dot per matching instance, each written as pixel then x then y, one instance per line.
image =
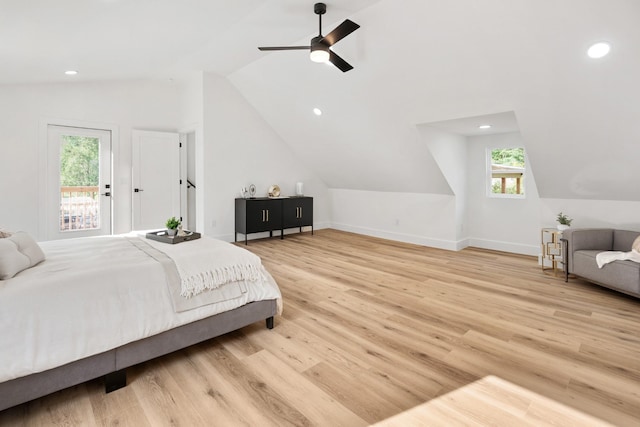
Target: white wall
pixel 425 219
pixel 506 224
pixel 592 213
pixel 450 152
pixel 240 149
pixel 233 145
pixel 126 105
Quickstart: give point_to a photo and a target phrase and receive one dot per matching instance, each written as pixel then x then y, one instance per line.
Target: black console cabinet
pixel 297 212
pixel 267 214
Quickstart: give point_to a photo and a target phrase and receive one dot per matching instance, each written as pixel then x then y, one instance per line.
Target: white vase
pixel 299 191
pixel 171 232
pixel 562 227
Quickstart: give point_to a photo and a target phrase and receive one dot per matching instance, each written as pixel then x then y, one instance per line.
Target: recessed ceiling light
pixel 599 50
pixel 71 72
pixel 484 127
pixel 317 111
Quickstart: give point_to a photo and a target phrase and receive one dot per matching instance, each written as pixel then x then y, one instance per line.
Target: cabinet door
pixel 298 212
pixel 263 215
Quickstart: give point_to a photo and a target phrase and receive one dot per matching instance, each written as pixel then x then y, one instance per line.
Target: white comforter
pixel 91 295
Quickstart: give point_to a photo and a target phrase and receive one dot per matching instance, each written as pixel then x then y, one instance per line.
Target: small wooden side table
pixel 552 250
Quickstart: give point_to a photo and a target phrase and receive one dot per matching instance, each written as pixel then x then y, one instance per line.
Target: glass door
pixel 79 177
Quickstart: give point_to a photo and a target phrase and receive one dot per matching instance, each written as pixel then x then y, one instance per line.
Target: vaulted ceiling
pixel 416 62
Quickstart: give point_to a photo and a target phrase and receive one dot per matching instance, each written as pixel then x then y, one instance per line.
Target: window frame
pixel 489 174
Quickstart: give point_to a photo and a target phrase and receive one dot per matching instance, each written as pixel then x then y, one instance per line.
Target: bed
pixel 96 306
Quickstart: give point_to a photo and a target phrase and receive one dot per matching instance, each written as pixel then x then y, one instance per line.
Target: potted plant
pixel 564 221
pixel 172 226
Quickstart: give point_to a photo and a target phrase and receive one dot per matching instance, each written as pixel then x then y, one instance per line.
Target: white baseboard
pixel 451 245
pixel 496 245
pixel 401 237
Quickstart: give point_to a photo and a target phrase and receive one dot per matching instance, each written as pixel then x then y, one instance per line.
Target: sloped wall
pixel 239 149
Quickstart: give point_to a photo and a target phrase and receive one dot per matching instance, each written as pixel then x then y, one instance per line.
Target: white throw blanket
pixel 603 258
pixel 208 263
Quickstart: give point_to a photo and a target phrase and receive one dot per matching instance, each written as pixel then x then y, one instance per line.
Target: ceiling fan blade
pixel 340 63
pixel 285 48
pixel 340 32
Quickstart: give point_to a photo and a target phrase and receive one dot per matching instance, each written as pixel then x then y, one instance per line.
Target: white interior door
pixel 79 201
pixel 155 178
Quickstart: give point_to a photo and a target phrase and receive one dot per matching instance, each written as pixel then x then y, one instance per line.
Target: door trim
pixel 43 165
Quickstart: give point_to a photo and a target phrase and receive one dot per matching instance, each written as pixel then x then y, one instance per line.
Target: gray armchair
pixel 581 245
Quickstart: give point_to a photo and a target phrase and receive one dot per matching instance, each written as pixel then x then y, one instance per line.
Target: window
pixel 506 168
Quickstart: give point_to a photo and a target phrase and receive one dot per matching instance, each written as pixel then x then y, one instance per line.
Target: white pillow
pixel 18 252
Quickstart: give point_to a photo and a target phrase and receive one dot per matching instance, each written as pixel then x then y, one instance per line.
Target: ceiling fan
pixel 320 45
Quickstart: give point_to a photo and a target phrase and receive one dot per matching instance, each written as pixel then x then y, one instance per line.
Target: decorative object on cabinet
pixel 299 189
pixel 252 191
pixel 564 221
pixel 551 250
pixel 268 214
pixel 274 191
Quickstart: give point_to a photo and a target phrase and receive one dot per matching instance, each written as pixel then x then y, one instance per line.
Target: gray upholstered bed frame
pixel 113 363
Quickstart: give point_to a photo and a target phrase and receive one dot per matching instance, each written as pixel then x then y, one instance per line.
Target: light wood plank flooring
pixel 372 328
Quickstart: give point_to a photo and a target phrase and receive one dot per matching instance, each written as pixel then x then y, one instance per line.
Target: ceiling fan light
pixel 319 53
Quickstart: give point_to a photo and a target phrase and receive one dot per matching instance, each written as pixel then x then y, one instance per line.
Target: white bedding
pixel 91 295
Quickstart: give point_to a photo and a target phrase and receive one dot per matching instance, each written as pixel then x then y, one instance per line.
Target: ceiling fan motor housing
pixel 320 8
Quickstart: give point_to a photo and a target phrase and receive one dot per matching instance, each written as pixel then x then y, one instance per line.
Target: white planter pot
pixel 562 227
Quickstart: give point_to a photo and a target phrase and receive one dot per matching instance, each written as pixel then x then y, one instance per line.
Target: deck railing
pixel 79 208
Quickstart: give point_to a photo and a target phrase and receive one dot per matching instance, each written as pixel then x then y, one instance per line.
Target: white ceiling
pixel 416 62
pixel 470 126
pixel 124 39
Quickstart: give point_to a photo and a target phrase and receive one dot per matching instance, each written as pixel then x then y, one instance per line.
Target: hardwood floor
pixel 372 328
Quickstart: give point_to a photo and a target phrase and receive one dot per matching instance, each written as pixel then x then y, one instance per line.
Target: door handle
pixel 137 190
pixel 108 194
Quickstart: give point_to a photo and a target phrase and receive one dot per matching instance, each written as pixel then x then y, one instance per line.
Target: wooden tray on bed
pixel 161 236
